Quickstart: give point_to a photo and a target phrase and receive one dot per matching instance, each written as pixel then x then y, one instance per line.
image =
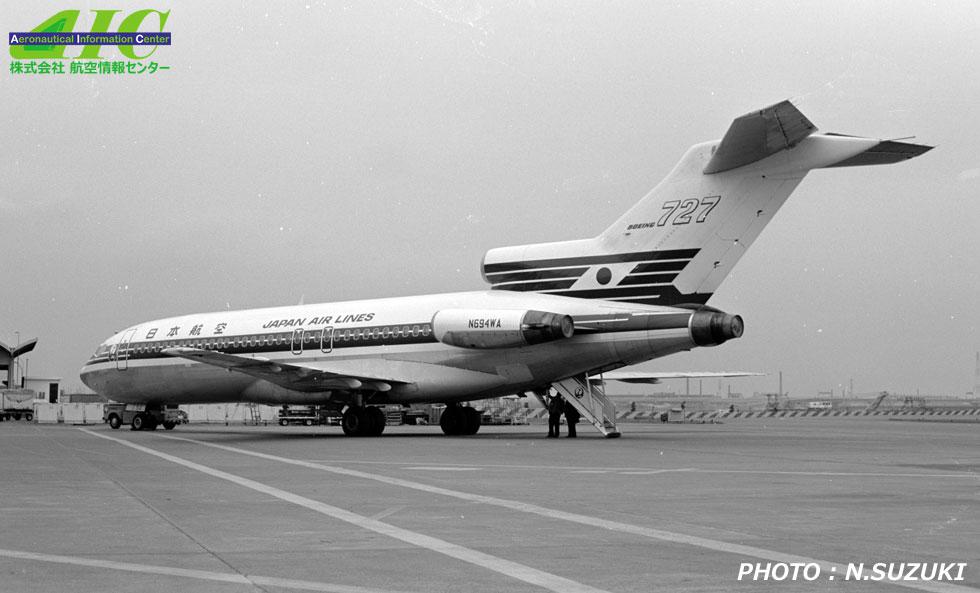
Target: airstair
pixel 254 414
pixel 591 402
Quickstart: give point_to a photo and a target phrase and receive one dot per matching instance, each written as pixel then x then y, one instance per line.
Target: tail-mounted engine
pixel 499 328
pixel 710 327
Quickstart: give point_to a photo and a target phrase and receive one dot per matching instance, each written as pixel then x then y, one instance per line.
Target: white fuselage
pixel 389 339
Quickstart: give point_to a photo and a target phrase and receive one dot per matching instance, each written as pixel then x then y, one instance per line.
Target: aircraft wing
pixel 645 377
pixel 312 377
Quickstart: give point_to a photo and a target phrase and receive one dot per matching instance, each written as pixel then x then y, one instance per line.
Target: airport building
pixel 45 389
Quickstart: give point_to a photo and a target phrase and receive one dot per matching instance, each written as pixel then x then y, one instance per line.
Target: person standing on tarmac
pixel 555 408
pixel 571 418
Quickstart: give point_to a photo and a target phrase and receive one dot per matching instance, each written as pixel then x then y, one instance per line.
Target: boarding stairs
pixel 254 414
pixel 591 402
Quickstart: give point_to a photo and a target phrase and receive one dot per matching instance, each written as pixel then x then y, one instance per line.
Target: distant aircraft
pixel 556 315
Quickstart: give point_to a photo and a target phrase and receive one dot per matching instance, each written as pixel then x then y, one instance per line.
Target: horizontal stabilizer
pixel 759 134
pixel 644 377
pixel 885 152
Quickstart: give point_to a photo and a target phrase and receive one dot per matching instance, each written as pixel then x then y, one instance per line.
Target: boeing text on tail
pixel 557 315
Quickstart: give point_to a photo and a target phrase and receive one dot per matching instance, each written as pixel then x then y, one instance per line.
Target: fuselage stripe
pixel 647 279
pixel 590 260
pixel 561 273
pixel 296 341
pixel 536 286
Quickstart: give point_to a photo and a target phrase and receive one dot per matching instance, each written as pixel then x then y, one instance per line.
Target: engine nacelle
pixel 710 327
pixel 499 328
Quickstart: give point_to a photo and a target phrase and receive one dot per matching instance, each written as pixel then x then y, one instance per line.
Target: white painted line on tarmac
pixel 965 474
pixel 205 575
pixel 503 566
pixel 652 472
pixel 826 566
pixel 622 470
pixel 443 468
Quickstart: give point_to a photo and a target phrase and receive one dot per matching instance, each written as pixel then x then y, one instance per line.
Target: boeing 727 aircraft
pixel 556 314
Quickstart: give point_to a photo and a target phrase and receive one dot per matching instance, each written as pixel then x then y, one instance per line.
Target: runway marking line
pixel 206 575
pixel 826 566
pixel 503 566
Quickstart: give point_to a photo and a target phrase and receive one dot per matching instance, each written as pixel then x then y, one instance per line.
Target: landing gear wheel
pixel 360 421
pixel 115 421
pixel 471 420
pixel 353 421
pixel 28 416
pixel 283 422
pixel 376 420
pixel 151 422
pixel 452 421
pixel 168 425
pixel 460 420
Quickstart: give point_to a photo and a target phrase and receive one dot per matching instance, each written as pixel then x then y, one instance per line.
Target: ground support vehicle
pixel 16 404
pixel 142 417
pixel 308 416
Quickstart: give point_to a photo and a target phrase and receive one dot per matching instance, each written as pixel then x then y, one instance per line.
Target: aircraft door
pixel 298 335
pixel 326 340
pixel 121 350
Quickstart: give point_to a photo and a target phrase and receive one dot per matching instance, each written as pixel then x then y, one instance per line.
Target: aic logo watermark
pixel 44 50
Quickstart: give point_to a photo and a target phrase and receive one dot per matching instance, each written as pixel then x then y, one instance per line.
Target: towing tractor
pixel 142 417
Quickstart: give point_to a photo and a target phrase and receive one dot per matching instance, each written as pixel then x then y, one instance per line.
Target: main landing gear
pixel 460 420
pixel 363 421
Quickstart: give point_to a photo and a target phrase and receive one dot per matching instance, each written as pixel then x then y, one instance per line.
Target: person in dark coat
pixel 571 418
pixel 555 407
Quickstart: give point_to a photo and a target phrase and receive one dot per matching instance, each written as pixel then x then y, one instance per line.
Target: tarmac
pixel 664 508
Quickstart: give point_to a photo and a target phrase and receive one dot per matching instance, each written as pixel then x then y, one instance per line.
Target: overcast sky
pixel 329 151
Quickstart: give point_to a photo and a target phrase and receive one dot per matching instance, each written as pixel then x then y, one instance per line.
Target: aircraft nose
pixel 710 328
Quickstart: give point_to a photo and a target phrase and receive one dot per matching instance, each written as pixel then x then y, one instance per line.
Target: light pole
pixel 12 375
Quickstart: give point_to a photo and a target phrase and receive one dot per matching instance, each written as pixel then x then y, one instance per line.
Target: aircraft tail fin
pixel 681 240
